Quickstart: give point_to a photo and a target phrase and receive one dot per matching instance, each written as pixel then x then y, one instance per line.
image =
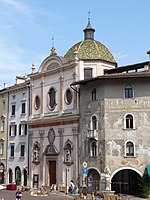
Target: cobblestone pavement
pixel 10 195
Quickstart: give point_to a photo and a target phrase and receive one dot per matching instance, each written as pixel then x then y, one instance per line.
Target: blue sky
pixel 27 28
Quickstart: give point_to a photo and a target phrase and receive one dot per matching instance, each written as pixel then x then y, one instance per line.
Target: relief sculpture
pixel 143 150
pixel 113 148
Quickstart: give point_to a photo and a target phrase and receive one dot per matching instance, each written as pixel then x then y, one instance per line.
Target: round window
pixel 37 102
pixel 68 96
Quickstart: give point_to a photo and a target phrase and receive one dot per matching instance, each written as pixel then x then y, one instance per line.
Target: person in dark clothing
pixel 18 194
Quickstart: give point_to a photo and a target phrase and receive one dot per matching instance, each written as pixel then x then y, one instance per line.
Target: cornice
pixel 53 121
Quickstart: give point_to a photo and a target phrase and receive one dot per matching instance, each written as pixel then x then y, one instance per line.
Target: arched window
pixel 129 121
pixel 2 123
pixel 18 175
pixel 94 123
pixel 2 173
pixel 93 148
pixel 129 148
pixel 128 91
pixel 94 94
pixel 52 98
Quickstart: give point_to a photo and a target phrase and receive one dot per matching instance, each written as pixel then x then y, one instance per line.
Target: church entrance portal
pixel 52 172
pixel 125 182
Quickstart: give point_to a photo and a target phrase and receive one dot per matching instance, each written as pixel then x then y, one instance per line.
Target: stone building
pixel 17 132
pixel 114 128
pixel 3 133
pixel 54 110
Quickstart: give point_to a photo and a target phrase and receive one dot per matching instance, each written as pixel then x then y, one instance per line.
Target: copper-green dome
pixel 90 49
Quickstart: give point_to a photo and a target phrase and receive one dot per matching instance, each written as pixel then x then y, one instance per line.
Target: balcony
pixel 92 134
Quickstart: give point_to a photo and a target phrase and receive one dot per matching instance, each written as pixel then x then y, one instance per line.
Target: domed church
pixel 54 110
pixel 90 49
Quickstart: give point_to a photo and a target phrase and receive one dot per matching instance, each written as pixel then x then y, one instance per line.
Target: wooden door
pixel 52 172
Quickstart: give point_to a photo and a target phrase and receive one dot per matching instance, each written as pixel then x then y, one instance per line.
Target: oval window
pixel 68 96
pixel 37 102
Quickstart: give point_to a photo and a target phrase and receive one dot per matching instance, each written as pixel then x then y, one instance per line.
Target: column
pixel 61 155
pixel 75 93
pixel 61 78
pixel 41 133
pixel 42 96
pixel 31 100
pixel 30 144
pixel 75 154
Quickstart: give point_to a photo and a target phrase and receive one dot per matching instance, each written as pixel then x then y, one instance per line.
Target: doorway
pixel 52 172
pixel 1 173
pixel 93 180
pixel 126 181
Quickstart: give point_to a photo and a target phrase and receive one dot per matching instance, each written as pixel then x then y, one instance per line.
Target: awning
pixel 148 170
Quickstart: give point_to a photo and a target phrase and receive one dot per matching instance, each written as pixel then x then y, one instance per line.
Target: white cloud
pixel 18 5
pixel 120 55
pixel 48 13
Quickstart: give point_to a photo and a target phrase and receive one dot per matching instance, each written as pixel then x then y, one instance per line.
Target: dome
pixel 89 48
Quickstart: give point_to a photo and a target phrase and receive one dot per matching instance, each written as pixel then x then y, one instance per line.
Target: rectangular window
pixel 2 148
pixel 12 150
pixel 22 129
pixel 13 110
pixel 87 73
pixel 35 180
pixel 94 94
pixel 128 91
pixel 22 150
pixel 13 130
pixel 3 125
pixel 3 105
pixel 23 108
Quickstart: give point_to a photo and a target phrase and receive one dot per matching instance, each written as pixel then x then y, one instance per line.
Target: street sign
pixel 84 170
pixel 84 164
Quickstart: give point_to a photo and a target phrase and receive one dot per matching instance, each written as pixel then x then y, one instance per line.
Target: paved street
pixel 10 195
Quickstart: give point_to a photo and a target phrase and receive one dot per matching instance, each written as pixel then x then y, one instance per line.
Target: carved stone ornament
pixel 51 136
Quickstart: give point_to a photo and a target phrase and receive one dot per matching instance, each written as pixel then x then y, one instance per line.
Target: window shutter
pixel 25 129
pixel 10 130
pixel 19 129
pixel 15 130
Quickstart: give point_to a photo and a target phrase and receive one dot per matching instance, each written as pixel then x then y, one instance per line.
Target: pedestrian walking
pixel 18 195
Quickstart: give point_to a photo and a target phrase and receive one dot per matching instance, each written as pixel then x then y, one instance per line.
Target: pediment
pixel 51 150
pixel 51 63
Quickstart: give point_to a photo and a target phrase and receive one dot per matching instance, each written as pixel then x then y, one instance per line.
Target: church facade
pixel 54 110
